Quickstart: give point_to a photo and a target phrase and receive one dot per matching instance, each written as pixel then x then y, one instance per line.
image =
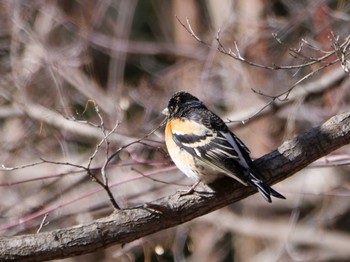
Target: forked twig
pixel 340 49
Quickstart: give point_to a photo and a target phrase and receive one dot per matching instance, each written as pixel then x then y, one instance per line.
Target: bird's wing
pixel 219 150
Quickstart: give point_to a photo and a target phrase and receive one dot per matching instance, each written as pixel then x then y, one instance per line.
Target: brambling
pixel 203 148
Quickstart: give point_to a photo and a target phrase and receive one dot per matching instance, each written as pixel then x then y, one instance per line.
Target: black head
pixel 181 102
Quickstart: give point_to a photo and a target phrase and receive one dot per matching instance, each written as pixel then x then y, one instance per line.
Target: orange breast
pixel 188 164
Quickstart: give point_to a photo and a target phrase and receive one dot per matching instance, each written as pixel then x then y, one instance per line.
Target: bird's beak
pixel 165 111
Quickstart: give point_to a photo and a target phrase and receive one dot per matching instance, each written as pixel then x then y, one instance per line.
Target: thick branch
pixel 129 224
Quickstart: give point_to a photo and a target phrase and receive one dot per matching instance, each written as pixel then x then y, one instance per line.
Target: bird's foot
pixel 189 191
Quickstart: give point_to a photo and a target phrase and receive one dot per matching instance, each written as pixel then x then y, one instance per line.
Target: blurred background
pixel 62 60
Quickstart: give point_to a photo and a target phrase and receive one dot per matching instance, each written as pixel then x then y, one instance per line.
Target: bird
pixel 202 146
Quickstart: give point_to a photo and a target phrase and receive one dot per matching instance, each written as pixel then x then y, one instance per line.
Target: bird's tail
pixel 265 190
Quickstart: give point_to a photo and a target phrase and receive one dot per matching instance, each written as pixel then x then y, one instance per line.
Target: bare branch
pixel 340 49
pixel 317 86
pixel 127 225
pixel 237 56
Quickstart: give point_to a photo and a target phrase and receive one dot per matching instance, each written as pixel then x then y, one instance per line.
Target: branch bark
pixel 129 224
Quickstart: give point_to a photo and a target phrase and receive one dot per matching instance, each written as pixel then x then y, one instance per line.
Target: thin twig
pixel 189 29
pixel 3 167
pixel 132 143
pixel 43 223
pixel 63 163
pixel 148 176
pixel 104 183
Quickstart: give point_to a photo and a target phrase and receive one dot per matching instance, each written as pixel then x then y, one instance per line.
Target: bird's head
pixel 180 102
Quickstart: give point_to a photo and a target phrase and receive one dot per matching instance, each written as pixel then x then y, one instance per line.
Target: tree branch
pixel 129 224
